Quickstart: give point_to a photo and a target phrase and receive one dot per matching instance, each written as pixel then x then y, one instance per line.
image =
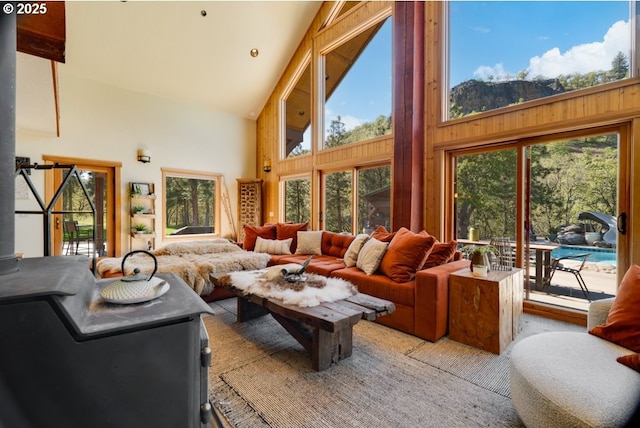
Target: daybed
pixel 590 379
pixel 412 271
pixel 193 261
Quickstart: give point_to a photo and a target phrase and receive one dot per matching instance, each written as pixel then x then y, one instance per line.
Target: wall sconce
pixel 144 155
pixel 266 166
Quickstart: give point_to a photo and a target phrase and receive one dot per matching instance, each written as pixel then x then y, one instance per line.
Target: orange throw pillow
pixel 623 325
pixel 382 234
pixel 251 233
pixel 406 253
pixel 290 230
pixel 441 253
pixel 632 361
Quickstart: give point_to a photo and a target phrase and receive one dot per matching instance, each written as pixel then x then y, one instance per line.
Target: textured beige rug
pixel 261 377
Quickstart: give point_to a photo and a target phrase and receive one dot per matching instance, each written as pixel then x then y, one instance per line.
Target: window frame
pixel 197 175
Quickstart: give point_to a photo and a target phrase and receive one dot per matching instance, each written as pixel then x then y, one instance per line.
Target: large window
pixel 504 53
pixel 571 192
pixel 297 114
pixel 191 203
pixel 374 198
pixel 373 203
pixel 297 200
pixel 358 87
pixel 338 206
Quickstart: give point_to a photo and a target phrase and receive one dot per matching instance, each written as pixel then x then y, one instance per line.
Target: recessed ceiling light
pixel 254 52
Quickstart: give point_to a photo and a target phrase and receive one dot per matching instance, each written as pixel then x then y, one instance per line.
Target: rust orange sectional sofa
pixel 422 301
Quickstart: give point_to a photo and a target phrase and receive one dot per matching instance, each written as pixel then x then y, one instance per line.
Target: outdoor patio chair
pixel 75 235
pixel 556 264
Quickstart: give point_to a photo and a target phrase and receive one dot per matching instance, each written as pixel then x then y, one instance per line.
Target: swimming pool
pixel 601 255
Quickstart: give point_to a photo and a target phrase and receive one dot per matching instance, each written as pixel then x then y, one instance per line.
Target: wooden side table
pixel 485 312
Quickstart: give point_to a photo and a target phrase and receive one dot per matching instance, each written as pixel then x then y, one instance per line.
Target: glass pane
pixel 77 220
pixel 358 87
pixel 298 116
pixel 338 202
pixel 574 202
pixel 297 200
pixel 189 205
pixel 504 53
pixel 374 198
pixel 486 195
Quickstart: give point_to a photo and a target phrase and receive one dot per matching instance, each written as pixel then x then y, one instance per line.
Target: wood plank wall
pixel 614 107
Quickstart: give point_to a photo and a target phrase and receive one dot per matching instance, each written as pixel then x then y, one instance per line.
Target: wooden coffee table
pixel 325 331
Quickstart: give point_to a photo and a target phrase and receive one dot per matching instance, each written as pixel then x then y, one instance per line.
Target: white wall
pixel 101 122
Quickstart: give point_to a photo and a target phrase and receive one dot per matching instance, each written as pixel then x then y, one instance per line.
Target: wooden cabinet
pixel 249 203
pixel 485 312
pixel 142 206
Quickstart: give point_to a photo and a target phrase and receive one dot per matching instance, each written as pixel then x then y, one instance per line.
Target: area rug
pixel 482 368
pixel 261 377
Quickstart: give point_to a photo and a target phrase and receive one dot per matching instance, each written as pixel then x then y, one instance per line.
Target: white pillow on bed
pixel 273 246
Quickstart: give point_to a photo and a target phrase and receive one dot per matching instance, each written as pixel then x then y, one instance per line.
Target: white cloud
pixel 595 56
pixel 583 58
pixel 497 72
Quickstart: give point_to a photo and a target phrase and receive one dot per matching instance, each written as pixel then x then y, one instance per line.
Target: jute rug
pixel 261 377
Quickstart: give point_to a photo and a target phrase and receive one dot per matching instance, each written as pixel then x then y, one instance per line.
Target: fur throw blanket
pixel 317 289
pixel 194 262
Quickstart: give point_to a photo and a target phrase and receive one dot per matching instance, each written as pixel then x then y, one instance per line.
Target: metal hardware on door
pixel 57 222
pixel 622 223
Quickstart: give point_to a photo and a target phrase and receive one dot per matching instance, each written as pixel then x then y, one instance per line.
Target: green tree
pixel 619 66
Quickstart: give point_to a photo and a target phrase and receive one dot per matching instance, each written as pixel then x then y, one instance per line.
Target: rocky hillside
pixel 476 96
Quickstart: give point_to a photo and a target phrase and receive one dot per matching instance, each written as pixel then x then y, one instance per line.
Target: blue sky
pixel 499 39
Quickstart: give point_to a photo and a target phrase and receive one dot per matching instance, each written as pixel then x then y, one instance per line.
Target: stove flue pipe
pixel 8 40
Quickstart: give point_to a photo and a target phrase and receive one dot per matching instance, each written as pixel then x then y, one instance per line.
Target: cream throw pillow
pixel 273 246
pixel 309 242
pixel 351 255
pixel 370 255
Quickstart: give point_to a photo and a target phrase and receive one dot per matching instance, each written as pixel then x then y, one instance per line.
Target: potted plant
pixel 138 209
pixel 479 255
pixel 140 229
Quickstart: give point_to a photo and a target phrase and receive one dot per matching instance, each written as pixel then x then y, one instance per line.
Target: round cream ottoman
pixel 572 379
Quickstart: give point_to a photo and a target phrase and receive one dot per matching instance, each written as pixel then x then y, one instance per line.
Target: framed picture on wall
pixel 140 188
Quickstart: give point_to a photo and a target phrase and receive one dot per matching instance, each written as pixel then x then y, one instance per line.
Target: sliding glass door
pixel 560 217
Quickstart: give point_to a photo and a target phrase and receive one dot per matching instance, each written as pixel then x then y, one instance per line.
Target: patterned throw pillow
pixel 351 256
pixel 309 242
pixel 370 255
pixel 273 246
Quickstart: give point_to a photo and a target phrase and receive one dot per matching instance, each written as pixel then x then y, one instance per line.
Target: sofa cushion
pixel 309 242
pixel 441 253
pixel 370 255
pixel 290 230
pixel 351 255
pixel 322 265
pixel 273 246
pixel 406 254
pixel 382 234
pixel 268 231
pixel 380 286
pixel 623 325
pixel 335 244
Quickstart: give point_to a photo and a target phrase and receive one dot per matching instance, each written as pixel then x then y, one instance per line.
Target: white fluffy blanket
pixel 258 284
pixel 194 262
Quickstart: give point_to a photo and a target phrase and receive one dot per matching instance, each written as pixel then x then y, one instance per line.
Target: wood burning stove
pixel 69 359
